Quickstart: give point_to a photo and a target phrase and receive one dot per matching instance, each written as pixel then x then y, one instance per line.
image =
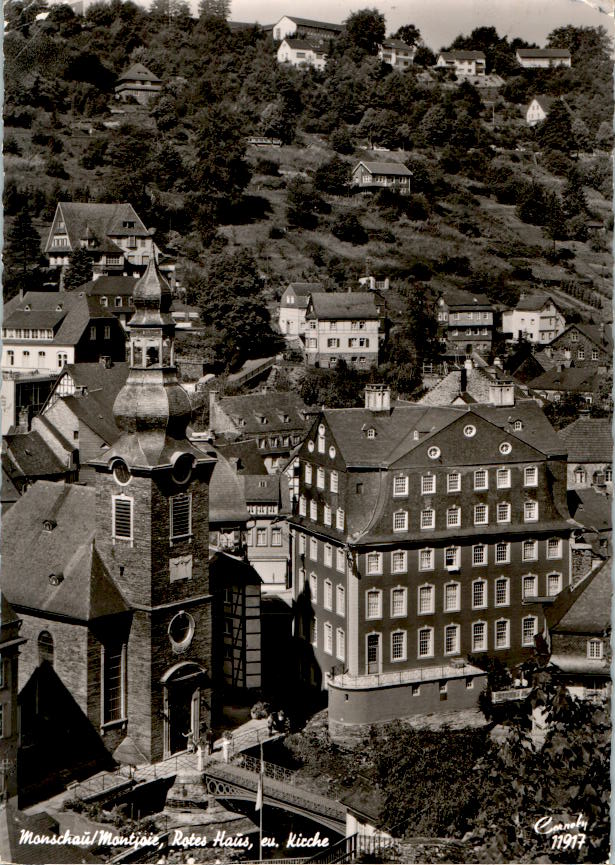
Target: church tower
pixel 153 537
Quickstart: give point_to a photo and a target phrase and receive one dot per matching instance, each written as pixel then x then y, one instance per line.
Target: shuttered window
pixel 122 517
pixel 181 516
pixel 113 684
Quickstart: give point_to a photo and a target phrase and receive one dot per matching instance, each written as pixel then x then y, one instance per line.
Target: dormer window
pixel 371 433
pixel 518 426
pixel 59 308
pixel 262 419
pixel 49 525
pixel 55 579
pixel 27 308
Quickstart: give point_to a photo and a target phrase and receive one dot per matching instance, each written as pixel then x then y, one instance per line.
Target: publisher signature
pixel 564 834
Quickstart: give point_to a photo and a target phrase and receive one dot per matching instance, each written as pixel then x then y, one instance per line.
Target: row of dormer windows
pixel 26 333
pixel 480 480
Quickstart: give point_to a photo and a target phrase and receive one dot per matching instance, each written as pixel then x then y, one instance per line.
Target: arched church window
pixel 45 647
pixel 137 355
pixel 152 355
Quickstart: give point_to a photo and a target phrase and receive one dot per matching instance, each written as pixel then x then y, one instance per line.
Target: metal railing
pixel 270 770
pixel 349 848
pixel 510 694
pixel 403 677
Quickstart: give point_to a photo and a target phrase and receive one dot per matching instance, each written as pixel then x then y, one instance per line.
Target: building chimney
pixel 502 392
pixel 463 382
pixel 378 398
pixel 467 364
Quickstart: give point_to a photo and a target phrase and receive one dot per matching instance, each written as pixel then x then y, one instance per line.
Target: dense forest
pixel 250 219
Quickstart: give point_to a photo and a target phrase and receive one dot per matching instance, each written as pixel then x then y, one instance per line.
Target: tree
pixel 531 204
pixel 348 229
pixel 214 9
pixel 22 252
pixel 303 204
pixel 166 10
pixel 333 176
pixel 409 34
pixel 555 133
pixel 79 270
pixel 365 31
pixel 555 224
pixel 574 200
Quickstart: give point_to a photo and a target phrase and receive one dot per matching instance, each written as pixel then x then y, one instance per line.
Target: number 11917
pixel 567 841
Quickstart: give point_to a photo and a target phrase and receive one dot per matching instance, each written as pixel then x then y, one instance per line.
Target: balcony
pixel 510 694
pixel 454 670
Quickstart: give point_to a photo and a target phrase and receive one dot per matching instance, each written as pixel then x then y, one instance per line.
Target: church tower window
pixel 181 516
pixel 122 517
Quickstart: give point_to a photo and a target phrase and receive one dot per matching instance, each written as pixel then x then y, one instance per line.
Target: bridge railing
pixel 347 849
pixel 270 770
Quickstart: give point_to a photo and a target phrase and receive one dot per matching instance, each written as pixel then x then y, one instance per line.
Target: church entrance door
pixel 182 700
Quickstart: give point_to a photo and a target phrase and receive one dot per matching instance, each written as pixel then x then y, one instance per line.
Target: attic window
pixel 415 435
pixel 128 223
pixel 241 422
pixel 27 308
pixel 49 525
pixel 371 433
pixel 262 419
pixel 55 579
pixel 59 308
pixel 285 418
pixel 518 425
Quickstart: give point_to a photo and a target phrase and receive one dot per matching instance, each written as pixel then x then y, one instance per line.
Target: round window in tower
pixel 182 470
pixel 121 472
pixel 181 631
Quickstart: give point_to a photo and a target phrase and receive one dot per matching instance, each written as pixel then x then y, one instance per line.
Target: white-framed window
pixel 399 601
pixel 373 563
pixel 594 354
pixel 481 515
pixel 340 644
pixel 453 482
pixel 426 559
pixel 502 634
pixel 334 481
pixel 302 545
pixel 425 643
pixel 503 512
pixel 574 337
pixel 327 515
pixel 328 595
pixel 481 479
pixel 328 556
pixel 428 484
pixel 261 537
pixel 400 485
pixel 276 537
pixel 452 557
pixel 530 512
pixel 339 519
pixel 554 548
pixel 328 641
pixel 122 510
pixel 302 580
pixel 502 553
pixel 581 354
pixel 398 646
pixel 113 663
pixel 554 584
pixel 529 586
pixel 530 551
pixel 518 426
pixel 595 649
pixel 469 430
pixel 313 511
pixel 580 475
pixel 399 562
pixel 479 554
pixel 451 640
pixel 479 594
pixel 314 549
pixel 314 588
pixel 433 452
pixel 308 473
pixel 529 628
pixel 503 479
pixel 180 511
pixel 320 478
pixel 502 592
pixel 426 599
pixel 302 506
pixel 453 517
pixel 340 600
pixel 321 439
pixel 479 636
pixel 373 604
pixel 428 518
pixel 340 560
pixel 400 521
pixel 452 597
pixel 530 476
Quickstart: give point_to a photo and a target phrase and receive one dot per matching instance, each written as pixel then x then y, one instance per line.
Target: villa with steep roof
pixel 589 346
pixel 538 109
pixel 302 52
pixel 537 318
pixel 425 539
pixel 396 53
pixel 137 83
pixel 293 307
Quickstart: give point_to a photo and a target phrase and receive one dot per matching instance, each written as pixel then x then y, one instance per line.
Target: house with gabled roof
pixel 465 322
pixel 543 58
pixel 396 53
pixel 556 383
pixel 462 62
pixel 425 538
pixel 302 52
pixel 293 307
pixel 537 318
pixel 291 25
pixel 137 83
pixel 113 293
pixel 370 175
pixel 345 326
pixel 538 109
pixel 582 345
pixel 589 442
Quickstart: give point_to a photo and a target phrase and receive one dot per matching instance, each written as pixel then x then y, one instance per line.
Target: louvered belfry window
pixel 181 516
pixel 122 517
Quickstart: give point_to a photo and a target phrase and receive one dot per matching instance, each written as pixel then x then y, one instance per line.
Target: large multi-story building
pixel 424 539
pixel 344 326
pixel 465 322
pixel 537 318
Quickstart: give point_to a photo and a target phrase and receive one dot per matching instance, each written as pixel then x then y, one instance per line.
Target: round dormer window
pixel 505 448
pixel 181 631
pixel 433 453
pixel 469 431
pixel 332 452
pixel 182 469
pixel 311 446
pixel 121 472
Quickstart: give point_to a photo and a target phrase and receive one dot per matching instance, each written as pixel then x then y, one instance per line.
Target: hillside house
pixel 556 383
pixel 538 109
pixel 583 345
pixel 396 53
pixel 543 58
pixel 293 307
pixel 424 536
pixel 113 293
pixel 137 83
pixel 462 62
pixel 305 28
pixel 370 176
pixel 465 322
pixel 344 325
pixel 537 318
pixel 301 52
pixel 589 442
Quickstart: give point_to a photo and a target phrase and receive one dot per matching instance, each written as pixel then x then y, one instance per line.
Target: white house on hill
pixel 301 52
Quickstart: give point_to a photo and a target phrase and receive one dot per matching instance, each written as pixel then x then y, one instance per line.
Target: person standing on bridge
pixel 211 738
pixel 270 723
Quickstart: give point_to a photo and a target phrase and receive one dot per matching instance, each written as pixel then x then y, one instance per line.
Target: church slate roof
pixel 85 590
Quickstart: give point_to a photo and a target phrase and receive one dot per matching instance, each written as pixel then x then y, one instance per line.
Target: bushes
pixel 348 229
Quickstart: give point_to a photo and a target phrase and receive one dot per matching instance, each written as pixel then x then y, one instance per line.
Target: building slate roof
pixel 308 22
pixel 462 55
pixel 535 302
pixel 398 44
pixel 227 503
pixel 86 590
pixel 588 605
pixel 302 291
pixel 458 298
pixel 139 72
pixel 9 492
pixel 110 286
pixel 300 44
pixel 344 305
pixel 545 102
pixel 533 53
pixel 259 489
pixel 69 322
pixel 591 509
pixel 391 168
pixel 570 379
pixel 247 454
pixel 31 456
pixel 588 440
pixel 449 388
pixel 101 220
pixel 271 406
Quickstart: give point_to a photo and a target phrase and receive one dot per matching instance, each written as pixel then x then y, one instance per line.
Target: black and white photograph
pixel 306 408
